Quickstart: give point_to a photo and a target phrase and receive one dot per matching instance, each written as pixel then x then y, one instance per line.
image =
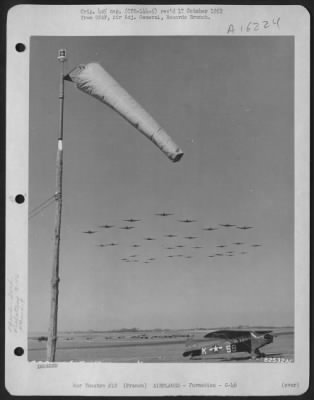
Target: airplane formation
pixel 226 249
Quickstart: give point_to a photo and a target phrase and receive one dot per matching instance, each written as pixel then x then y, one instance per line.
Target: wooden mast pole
pixel 52 331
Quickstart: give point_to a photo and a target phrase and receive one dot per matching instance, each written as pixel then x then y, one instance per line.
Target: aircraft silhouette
pixel 187 220
pixel 190 237
pixel 244 227
pixel 163 214
pixel 149 238
pixel 225 343
pixel 126 227
pixel 89 232
pixel 106 226
pixel 238 243
pixel 226 225
pixel 131 220
pixel 170 235
pixel 209 229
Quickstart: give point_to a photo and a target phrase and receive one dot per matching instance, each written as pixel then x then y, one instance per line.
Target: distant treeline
pixel 135 330
pixel 121 330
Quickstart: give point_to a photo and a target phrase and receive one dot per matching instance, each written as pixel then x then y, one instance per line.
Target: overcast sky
pixel 228 103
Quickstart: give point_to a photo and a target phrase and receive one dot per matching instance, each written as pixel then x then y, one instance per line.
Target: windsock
pixel 95 81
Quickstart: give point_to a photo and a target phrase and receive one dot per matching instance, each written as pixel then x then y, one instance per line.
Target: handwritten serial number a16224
pixel 254 26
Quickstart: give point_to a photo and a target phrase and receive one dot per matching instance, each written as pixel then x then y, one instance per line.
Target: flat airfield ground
pixel 147 346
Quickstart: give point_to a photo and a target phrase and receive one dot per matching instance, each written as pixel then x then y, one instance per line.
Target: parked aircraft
pixel 226 343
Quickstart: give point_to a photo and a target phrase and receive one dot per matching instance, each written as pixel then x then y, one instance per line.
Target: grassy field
pixel 145 346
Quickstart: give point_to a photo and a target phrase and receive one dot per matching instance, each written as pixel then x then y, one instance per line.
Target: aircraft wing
pixel 281 333
pixel 218 336
pixel 227 334
pixel 232 336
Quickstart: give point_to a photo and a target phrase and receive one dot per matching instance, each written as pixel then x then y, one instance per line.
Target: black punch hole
pixel 19 351
pixel 20 47
pixel 19 199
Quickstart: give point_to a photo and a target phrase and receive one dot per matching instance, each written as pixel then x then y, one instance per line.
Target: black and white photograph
pixel 162 204
pixel 157 254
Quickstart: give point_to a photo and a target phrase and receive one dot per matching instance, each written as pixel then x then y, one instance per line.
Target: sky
pixel 228 103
